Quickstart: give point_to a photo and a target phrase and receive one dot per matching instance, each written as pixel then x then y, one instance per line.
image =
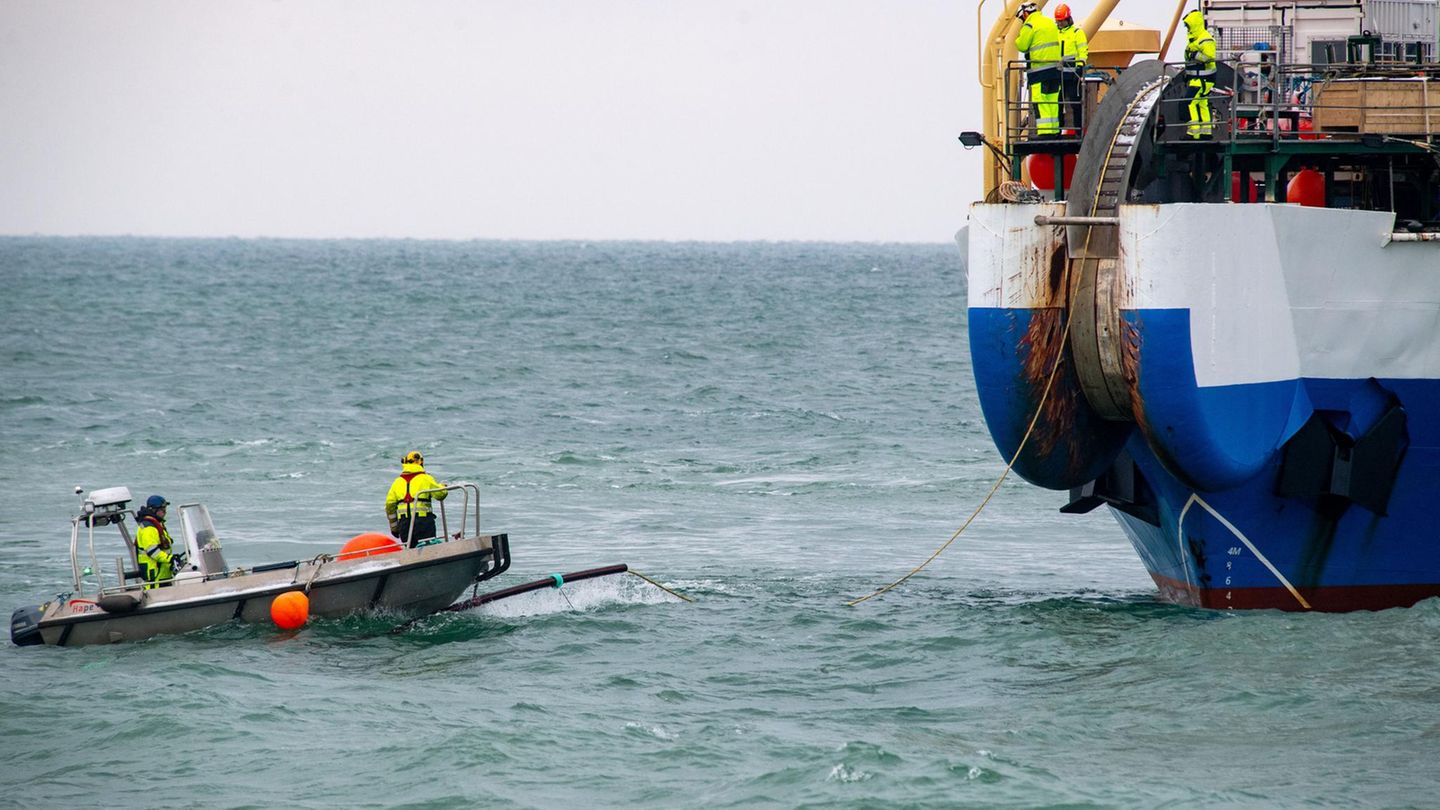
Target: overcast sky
pixel 529 119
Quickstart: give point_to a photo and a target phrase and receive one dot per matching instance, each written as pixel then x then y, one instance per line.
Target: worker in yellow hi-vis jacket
pixel 1199 73
pixel 1074 55
pixel 408 504
pixel 153 544
pixel 1039 40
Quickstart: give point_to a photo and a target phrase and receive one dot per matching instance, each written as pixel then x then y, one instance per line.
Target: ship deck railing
pixel 1260 106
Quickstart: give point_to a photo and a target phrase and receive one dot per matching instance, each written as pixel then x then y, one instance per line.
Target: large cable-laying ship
pixel 1228 331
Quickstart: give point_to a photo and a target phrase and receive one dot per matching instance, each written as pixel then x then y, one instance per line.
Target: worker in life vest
pixel 1039 40
pixel 153 543
pixel 408 505
pixel 1199 73
pixel 1074 55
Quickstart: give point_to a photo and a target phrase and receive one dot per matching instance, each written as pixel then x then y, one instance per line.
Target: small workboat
pixel 110 603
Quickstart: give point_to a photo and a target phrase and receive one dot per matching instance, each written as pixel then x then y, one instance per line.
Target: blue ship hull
pixel 1248 546
pixel 1241 480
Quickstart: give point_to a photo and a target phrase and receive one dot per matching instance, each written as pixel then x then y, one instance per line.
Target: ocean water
pixel 770 428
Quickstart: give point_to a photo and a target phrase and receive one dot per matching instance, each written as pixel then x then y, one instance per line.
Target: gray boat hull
pixel 410 581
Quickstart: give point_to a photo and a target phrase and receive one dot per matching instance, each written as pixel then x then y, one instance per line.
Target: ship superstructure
pixel 1230 334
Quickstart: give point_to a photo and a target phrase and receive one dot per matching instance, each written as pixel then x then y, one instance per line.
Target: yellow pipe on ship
pixel 1000 45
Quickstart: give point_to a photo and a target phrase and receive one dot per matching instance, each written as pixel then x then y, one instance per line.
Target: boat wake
pixel 590 595
pixel 579 591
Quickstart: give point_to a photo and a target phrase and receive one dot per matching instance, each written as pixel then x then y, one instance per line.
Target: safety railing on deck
pixel 89 577
pixel 1078 92
pixel 1253 100
pixel 466 508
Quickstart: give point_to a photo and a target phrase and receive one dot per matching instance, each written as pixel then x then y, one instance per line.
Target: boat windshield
pixel 201 541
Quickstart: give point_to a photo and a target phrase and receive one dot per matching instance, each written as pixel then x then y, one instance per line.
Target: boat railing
pixel 89 577
pixel 85 567
pixel 79 583
pixel 1021 115
pixel 468 509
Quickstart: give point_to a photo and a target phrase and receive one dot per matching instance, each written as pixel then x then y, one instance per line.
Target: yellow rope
pixel 1059 357
pixel 661 587
pixel 1044 394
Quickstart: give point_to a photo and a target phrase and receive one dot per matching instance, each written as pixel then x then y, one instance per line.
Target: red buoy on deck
pixel 1041 167
pixel 1307 187
pixel 290 610
pixel 1237 188
pixel 368 544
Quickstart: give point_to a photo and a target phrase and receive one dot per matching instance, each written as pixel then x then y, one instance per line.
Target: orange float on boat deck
pixel 290 610
pixel 368 544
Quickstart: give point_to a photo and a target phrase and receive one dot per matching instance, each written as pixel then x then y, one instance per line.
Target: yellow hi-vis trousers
pixel 1200 126
pixel 1045 97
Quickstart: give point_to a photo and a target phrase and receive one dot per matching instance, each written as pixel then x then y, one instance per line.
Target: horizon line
pixel 567 239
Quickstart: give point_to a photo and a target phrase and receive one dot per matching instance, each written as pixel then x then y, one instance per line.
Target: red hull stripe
pixel 1337 598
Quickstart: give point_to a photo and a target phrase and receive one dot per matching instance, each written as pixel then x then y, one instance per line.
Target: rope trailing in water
pixel 559 580
pixel 1044 393
pixel 661 587
pixel 551 581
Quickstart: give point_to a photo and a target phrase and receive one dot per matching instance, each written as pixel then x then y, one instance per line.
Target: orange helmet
pixel 1062 12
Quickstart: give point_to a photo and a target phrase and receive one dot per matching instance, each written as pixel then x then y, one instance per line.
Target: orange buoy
pixel 365 545
pixel 290 610
pixel 1307 187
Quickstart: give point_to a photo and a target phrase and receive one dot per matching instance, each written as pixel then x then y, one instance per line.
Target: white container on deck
pixel 1301 30
pixel 1403 20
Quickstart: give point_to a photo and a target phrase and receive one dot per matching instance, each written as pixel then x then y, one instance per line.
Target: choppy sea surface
pixel 770 428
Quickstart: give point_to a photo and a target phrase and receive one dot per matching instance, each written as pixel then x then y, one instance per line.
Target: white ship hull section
pixel 1345 303
pixel 1009 255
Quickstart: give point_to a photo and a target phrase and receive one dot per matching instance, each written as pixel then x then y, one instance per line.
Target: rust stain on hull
pixel 1040 347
